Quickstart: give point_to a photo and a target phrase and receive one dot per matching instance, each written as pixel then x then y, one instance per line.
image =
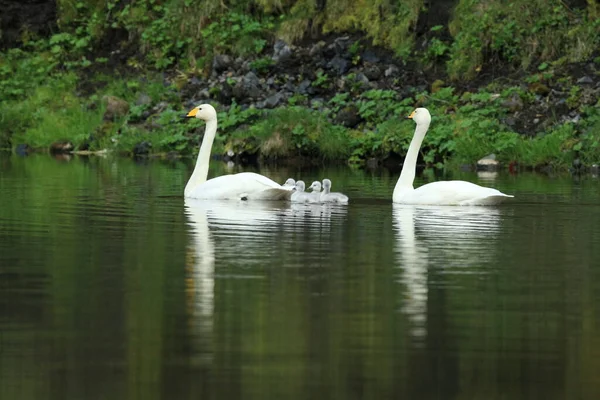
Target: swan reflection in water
pixel 455 237
pixel 237 224
pixel 224 230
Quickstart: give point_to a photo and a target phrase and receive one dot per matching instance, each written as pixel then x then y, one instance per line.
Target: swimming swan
pixel 316 192
pixel 242 186
pixel 437 193
pixel 328 197
pixel 299 195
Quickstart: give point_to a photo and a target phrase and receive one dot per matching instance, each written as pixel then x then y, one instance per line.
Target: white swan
pixel 316 192
pixel 299 195
pixel 437 193
pixel 242 186
pixel 290 183
pixel 328 197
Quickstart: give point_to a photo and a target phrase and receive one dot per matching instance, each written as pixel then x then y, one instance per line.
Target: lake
pixel 112 286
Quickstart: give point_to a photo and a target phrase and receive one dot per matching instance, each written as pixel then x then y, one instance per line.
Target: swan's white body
pixel 242 186
pixel 299 195
pixel 328 197
pixel 450 193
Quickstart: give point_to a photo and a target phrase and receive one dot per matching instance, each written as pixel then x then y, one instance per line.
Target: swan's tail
pixel 487 200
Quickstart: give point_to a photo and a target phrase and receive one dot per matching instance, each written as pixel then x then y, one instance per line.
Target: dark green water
pixel 113 287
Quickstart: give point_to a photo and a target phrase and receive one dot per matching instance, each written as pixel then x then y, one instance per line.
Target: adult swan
pixel 450 193
pixel 242 186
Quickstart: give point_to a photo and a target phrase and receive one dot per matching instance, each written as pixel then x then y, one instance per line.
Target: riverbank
pixel 329 98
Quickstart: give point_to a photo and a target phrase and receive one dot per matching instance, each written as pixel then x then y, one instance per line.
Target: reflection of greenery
pixel 95 293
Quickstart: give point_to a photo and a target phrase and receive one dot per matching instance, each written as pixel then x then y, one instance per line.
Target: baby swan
pixel 328 197
pixel 290 183
pixel 299 195
pixel 316 192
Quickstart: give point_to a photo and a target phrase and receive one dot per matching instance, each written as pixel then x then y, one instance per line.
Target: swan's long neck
pixel 201 169
pixel 407 176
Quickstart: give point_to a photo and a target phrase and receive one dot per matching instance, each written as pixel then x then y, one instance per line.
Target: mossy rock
pixel 115 108
pixel 539 88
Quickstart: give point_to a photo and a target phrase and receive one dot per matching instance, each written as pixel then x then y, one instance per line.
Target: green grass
pixel 52 112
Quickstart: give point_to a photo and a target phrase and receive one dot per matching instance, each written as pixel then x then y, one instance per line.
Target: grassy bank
pixel 465 127
pixel 146 53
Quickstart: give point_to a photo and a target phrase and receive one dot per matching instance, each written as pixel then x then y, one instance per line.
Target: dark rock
pixel 221 62
pixel 305 87
pixel 372 163
pixel 362 79
pixel 21 19
pixel 250 85
pixel 514 103
pixel 370 57
pixel 372 72
pixel 391 71
pixel 348 116
pixel 22 150
pixel 142 148
pixel 225 93
pixel 61 147
pixel 274 100
pixel 340 45
pixel 585 80
pixel 281 51
pixel 289 86
pixel 317 103
pixel 510 121
pixel 115 108
pixel 339 65
pixel 317 49
pixel 160 107
pixel 251 79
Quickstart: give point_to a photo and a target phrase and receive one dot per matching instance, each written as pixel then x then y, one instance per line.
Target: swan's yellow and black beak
pixel 412 114
pixel 192 113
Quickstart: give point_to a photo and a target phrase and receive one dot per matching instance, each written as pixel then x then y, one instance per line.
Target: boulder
pixel 488 163
pixel 281 51
pixel 221 62
pixel 142 148
pixel 61 147
pixel 348 117
pixel 115 108
pixel 339 65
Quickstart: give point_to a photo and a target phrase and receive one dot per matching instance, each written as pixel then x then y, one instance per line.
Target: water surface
pixel 114 286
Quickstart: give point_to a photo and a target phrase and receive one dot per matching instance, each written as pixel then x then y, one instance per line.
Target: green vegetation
pixel 54 88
